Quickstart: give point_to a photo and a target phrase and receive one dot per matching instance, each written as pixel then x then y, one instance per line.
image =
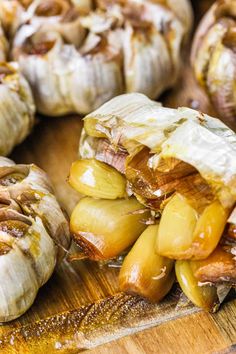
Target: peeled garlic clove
pixel 177 224
pixel 97 179
pixel 204 296
pixel 208 230
pixel 183 234
pixel 16 107
pixel 144 272
pixel 218 267
pixel 105 228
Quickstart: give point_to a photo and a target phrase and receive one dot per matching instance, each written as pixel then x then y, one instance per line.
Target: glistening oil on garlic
pixel 185 185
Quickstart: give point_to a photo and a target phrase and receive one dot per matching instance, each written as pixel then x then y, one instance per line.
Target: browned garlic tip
pixel 87 59
pixel 33 235
pixel 213 56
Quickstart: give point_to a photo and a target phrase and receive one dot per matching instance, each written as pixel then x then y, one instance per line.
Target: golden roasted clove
pixel 144 272
pixel 204 296
pixel 183 234
pixel 104 228
pixel 97 179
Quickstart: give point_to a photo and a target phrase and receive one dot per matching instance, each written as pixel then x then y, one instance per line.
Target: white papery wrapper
pixel 33 236
pixel 105 52
pixel 16 108
pixel 133 121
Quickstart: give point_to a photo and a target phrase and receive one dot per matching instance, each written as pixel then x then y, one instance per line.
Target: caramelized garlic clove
pixel 183 234
pixel 144 272
pixel 105 228
pixel 204 296
pixel 97 179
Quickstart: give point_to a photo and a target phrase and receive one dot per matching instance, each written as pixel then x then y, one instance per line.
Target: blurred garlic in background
pixel 213 57
pixel 75 61
pixel 17 108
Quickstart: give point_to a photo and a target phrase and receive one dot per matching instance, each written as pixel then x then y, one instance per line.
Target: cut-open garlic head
pixel 33 235
pixel 214 56
pixel 16 107
pixel 95 56
pixel 180 165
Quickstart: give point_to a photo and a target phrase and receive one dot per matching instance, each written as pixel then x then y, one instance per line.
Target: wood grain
pixel 81 307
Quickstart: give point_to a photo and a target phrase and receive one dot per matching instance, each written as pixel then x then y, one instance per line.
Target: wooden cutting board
pixel 81 306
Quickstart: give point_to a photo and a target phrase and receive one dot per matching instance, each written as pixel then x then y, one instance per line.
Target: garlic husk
pixel 12 15
pixel 151 53
pixel 16 109
pixel 79 81
pixel 213 57
pixel 100 54
pixel 33 236
pixel 134 121
pixel 66 22
pixel 3 45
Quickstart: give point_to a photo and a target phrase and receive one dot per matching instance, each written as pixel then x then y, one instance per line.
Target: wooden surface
pixel 81 307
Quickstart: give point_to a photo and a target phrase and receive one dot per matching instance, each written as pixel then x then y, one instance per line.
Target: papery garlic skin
pixel 213 57
pixel 3 45
pixel 102 54
pixel 16 107
pixel 33 236
pixel 11 16
pixel 204 142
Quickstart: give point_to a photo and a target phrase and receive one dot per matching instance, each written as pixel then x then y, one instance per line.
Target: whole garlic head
pixel 17 108
pixel 213 57
pixel 33 235
pixel 75 62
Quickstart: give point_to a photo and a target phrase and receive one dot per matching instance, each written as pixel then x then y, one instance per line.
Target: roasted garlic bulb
pixel 213 56
pixel 75 61
pixel 34 235
pixel 178 166
pixel 3 45
pixel 16 107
